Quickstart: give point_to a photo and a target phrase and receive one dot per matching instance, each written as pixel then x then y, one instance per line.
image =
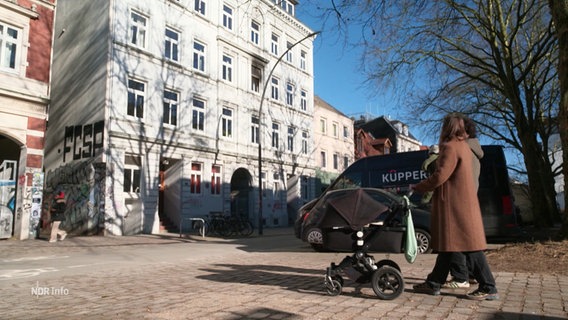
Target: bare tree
pixel 559 9
pixel 492 60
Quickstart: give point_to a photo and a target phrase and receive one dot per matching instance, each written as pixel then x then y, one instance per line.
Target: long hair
pixel 470 127
pixel 453 127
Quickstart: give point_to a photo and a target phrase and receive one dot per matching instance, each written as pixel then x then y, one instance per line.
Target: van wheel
pixel 423 241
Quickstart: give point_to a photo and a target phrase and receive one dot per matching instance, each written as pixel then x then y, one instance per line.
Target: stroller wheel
pixel 333 286
pixel 387 283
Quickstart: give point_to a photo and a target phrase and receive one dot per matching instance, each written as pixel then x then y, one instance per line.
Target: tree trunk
pixel 541 185
pixel 559 9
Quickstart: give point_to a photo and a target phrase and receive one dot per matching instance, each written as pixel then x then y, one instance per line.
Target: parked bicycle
pixel 239 225
pixel 224 226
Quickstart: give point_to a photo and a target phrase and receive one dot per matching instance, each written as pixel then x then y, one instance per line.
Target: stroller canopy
pixel 354 208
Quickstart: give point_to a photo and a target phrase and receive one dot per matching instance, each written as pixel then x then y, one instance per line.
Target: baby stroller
pixel 367 225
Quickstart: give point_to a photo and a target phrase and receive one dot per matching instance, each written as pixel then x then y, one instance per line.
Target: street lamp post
pixel 260 218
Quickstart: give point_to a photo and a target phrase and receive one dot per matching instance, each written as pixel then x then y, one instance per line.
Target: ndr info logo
pixel 49 291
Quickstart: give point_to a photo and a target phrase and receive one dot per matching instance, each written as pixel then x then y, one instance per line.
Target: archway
pixel 241 185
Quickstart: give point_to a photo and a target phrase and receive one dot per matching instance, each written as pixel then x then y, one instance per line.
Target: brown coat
pixel 477 155
pixel 456 224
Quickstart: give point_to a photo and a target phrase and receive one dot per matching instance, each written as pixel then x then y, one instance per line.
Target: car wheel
pixel 314 236
pixel 423 241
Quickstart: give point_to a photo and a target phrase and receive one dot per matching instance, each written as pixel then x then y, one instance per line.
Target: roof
pixel 322 103
pixel 382 127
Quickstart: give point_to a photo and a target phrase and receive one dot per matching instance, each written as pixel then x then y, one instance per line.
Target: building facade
pixel 334 146
pixel 400 139
pixel 25 56
pixel 555 156
pixel 156 112
pixel 368 145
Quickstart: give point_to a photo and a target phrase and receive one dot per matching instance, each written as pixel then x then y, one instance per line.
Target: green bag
pixel 410 244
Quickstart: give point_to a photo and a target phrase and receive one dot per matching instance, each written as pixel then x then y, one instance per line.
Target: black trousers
pixel 477 262
pixel 460 267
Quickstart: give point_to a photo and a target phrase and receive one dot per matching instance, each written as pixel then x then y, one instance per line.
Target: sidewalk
pixel 245 284
pixel 9 247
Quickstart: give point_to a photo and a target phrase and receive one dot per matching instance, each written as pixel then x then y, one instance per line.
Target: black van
pixel 395 172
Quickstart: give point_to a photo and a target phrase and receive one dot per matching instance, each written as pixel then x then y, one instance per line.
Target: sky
pixel 337 79
pixel 340 83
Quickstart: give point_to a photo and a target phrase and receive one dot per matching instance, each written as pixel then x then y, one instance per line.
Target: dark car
pixel 307 226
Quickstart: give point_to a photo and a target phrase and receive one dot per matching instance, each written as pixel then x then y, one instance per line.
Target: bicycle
pixel 239 225
pixel 216 225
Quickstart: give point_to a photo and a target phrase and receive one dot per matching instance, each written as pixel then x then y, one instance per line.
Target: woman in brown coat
pixel 456 224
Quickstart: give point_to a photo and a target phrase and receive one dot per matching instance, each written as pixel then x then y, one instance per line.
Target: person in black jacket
pixel 57 215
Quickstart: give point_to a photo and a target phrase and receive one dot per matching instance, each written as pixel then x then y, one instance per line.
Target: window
pixel 304 188
pixel 274 45
pixel 304 142
pixel 335 161
pixel 172 45
pixel 227 17
pixel 254 130
pixel 303 55
pixel 291 131
pixel 131 174
pixel 263 177
pixel 195 179
pixel 256 76
pixel 198 56
pixel 275 135
pixel 345 132
pixel 227 123
pixel 276 192
pixel 303 100
pixel 323 126
pixel 227 68
pixel 335 129
pixel 200 6
pixel 198 114
pixel 254 32
pixel 345 162
pixel 289 55
pixel 289 94
pixel 136 96
pixel 9 43
pixel 137 30
pixel 287 6
pixel 274 88
pixel 171 103
pixel 323 159
pixel 215 180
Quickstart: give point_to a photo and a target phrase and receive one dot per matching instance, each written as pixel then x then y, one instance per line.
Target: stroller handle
pixel 406 198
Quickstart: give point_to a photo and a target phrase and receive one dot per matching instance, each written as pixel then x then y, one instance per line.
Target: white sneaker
pixel 52 241
pixel 455 284
pixel 63 237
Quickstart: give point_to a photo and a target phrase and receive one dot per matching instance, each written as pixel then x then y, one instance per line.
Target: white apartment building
pixel 555 155
pixel 334 146
pixel 155 112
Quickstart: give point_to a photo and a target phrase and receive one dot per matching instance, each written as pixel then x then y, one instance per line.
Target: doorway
pixel 241 185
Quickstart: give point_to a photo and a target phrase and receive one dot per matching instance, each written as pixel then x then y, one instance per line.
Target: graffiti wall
pixel 7 197
pixel 82 182
pixel 36 195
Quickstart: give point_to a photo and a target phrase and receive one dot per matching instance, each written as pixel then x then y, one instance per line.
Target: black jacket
pixel 58 211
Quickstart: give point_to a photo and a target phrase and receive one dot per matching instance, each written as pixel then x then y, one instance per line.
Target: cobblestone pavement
pixel 243 279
